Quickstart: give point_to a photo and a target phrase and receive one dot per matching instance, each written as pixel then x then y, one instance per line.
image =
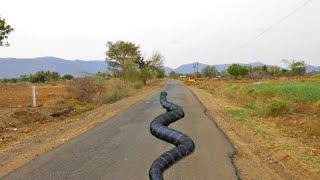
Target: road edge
pixel 231 155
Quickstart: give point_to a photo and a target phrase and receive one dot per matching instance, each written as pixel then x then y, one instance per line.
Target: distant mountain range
pixel 312 68
pixel 14 67
pixel 189 68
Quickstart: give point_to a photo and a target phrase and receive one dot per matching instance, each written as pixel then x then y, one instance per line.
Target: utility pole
pixel 197 69
pixel 194 68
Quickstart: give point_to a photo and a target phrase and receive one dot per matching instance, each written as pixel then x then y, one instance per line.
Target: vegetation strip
pixel 184 144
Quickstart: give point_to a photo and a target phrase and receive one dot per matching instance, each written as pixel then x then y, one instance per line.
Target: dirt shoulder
pixel 256 158
pixel 54 133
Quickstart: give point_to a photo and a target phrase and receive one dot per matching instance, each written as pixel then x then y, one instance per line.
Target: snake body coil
pixel 158 128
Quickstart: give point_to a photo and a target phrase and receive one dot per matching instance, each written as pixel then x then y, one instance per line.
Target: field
pixel 55 102
pixel 62 113
pixel 284 115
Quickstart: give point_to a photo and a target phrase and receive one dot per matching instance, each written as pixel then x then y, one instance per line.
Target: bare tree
pixel 155 64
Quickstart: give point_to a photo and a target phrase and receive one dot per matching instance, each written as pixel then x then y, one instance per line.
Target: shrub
pixel 67 77
pixel 277 108
pixel 82 89
pixel 43 76
pixel 77 108
pixel 137 85
pixel 81 109
pixel 114 96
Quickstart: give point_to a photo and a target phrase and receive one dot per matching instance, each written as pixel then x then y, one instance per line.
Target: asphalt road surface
pixel 123 148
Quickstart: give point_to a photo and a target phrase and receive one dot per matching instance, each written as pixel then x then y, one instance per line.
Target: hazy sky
pixel 184 31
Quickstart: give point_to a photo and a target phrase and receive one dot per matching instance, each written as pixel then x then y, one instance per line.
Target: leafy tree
pixel 55 76
pixel 12 80
pixel 298 68
pixel 284 72
pixel 274 70
pixel 105 75
pixel 265 68
pixel 67 77
pixel 120 55
pixel 145 74
pixel 237 70
pixel 250 69
pixel 224 73
pixel 197 75
pixel 39 77
pixel 130 71
pixel 173 75
pixel 43 76
pixel 161 73
pixel 5 30
pixel 209 71
pixel 23 78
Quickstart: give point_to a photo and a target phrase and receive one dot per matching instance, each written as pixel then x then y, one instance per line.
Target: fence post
pixel 34 96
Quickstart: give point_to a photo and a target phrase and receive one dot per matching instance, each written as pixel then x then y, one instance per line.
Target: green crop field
pixel 304 92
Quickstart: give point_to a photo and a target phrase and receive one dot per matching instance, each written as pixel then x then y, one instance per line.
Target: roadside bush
pixel 119 91
pixel 81 109
pixel 277 108
pixel 137 85
pixel 82 89
pixel 114 96
pixel 100 84
pixel 98 90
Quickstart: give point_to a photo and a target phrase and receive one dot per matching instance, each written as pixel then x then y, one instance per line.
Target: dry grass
pixel 57 101
pixel 37 138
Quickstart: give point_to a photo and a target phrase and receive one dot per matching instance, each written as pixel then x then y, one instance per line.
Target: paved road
pixel 123 148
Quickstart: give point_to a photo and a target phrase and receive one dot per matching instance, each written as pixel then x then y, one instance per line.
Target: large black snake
pixel 158 127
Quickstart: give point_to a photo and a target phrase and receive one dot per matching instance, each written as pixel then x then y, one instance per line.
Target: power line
pixel 276 24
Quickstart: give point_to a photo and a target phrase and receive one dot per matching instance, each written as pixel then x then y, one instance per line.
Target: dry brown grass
pixel 57 101
pixel 36 138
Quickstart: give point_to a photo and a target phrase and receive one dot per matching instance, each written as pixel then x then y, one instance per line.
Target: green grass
pixel 81 109
pixel 252 106
pixel 277 108
pixel 273 99
pixel 242 116
pixel 309 159
pixel 307 92
pixel 115 95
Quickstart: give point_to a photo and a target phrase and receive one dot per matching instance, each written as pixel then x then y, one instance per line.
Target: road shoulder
pixel 255 159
